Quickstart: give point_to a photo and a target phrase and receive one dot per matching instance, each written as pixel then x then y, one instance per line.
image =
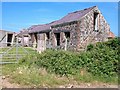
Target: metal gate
pixel 12 53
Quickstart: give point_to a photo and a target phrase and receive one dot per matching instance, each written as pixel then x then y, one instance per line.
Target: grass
pixel 43 70
pixel 35 77
pixel 12 54
pixel 32 77
pixel 91 78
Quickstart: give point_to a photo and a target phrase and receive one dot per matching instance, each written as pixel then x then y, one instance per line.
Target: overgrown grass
pixel 32 76
pixel 52 68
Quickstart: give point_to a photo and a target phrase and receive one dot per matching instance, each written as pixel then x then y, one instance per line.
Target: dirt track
pixel 6 84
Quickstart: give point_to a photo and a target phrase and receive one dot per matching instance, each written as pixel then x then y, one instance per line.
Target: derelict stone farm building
pixel 72 32
pixel 7 38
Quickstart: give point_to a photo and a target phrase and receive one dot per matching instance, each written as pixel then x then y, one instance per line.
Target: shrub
pixel 90 47
pixel 60 62
pixel 101 60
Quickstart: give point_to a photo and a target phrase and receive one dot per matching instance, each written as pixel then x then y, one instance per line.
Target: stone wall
pixel 66 43
pixel 33 40
pixel 88 34
pixel 41 42
pixel 82 32
pixel 4 38
pixel 91 28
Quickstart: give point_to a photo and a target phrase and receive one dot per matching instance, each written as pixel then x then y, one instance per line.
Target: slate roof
pixel 7 31
pixel 74 16
pixel 38 28
pixel 23 32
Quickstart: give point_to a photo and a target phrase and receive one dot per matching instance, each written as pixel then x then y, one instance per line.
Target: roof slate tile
pixel 74 16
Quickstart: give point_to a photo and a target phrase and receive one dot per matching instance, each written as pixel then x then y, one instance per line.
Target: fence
pixel 13 53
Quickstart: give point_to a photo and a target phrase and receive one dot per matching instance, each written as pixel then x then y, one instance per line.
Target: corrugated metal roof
pixel 74 16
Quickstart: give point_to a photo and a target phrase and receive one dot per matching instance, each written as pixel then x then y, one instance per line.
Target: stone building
pixel 7 38
pixel 72 32
pixel 23 37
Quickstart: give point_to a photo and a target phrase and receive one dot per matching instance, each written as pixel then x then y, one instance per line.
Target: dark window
pixel 67 34
pixel 96 21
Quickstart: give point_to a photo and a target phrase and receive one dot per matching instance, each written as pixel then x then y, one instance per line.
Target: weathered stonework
pixel 70 28
pixel 69 34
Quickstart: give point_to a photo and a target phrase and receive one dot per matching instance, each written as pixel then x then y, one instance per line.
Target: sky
pixel 60 0
pixel 19 15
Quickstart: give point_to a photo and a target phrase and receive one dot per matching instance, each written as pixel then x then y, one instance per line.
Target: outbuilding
pixel 7 38
pixel 72 32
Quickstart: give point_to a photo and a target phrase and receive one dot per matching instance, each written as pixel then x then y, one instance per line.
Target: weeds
pixel 52 68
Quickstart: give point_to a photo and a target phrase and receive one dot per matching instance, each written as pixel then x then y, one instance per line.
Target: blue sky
pixel 19 15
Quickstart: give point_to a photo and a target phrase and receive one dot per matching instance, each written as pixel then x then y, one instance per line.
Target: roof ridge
pixel 73 16
pixel 82 10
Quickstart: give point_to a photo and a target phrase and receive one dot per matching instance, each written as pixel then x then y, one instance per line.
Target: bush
pixel 90 47
pixel 59 62
pixel 100 59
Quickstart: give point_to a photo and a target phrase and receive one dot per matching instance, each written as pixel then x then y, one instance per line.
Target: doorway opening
pixel 57 35
pixel 47 35
pixel 9 39
pixel 36 37
pixel 47 39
